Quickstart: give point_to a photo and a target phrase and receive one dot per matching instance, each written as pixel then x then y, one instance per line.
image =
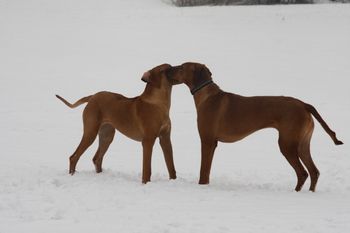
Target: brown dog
pixel 228 117
pixel 142 118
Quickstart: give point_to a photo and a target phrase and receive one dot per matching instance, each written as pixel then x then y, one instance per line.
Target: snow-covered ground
pixel 75 48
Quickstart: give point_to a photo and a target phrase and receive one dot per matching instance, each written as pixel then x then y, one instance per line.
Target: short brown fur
pixel 228 117
pixel 142 118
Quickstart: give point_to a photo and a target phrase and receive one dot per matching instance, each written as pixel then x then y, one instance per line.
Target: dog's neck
pixel 158 96
pixel 200 86
pixel 204 93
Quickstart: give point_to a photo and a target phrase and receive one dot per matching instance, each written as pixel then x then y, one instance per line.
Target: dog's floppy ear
pixel 151 78
pixel 206 71
pixel 146 77
pixel 169 73
pixel 201 74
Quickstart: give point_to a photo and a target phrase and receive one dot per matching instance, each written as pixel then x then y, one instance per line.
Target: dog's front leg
pixel 208 148
pixel 165 143
pixel 147 144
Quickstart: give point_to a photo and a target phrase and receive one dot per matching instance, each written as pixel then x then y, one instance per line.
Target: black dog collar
pixel 195 89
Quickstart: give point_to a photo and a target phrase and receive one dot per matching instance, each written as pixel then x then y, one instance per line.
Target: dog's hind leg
pixel 290 151
pixel 91 126
pixel 106 135
pixel 86 141
pixel 305 156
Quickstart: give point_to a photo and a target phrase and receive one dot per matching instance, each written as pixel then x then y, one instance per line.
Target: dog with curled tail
pixel 143 118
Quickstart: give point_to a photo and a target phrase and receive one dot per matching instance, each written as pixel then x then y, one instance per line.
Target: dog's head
pixel 191 73
pixel 158 76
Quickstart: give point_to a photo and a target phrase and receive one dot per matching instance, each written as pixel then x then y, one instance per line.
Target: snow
pixel 76 48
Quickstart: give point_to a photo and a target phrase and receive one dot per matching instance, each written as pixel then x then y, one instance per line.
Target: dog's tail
pixel 76 104
pixel 324 125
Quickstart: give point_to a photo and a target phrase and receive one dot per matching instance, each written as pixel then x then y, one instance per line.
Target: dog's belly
pixel 125 124
pixel 233 128
pixel 132 134
pixel 128 128
pixel 232 136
